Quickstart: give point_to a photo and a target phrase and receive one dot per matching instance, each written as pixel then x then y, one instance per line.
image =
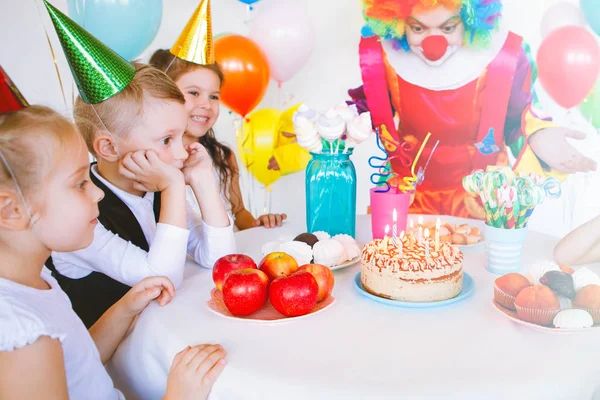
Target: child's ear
pixel 13 214
pixel 105 148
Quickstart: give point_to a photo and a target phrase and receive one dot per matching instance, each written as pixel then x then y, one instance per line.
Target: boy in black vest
pixel 132 117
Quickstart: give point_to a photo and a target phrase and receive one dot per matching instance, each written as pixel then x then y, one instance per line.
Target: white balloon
pixel 561 15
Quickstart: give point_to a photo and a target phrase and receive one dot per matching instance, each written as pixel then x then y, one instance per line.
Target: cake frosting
pixel 411 275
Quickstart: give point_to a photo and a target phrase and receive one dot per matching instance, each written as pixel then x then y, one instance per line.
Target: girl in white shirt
pixel 47 203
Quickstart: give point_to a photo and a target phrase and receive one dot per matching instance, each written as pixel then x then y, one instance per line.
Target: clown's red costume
pixel 476 99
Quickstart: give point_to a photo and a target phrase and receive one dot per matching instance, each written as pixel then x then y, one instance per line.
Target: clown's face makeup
pixel 435 34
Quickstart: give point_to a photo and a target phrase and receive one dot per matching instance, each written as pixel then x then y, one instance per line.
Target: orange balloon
pixel 246 71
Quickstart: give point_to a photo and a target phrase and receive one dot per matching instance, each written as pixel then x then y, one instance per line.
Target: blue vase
pixel 331 194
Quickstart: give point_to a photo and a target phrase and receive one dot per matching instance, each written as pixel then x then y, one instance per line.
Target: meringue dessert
pixel 330 126
pixel 573 319
pixel 329 252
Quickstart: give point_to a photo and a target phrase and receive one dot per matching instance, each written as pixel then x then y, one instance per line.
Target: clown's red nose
pixel 434 47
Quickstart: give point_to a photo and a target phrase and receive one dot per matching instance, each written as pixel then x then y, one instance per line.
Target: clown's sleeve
pixel 522 120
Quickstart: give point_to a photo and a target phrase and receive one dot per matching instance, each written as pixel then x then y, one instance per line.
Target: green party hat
pixel 99 72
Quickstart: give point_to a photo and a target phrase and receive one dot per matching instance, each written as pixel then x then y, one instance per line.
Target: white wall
pixel 332 69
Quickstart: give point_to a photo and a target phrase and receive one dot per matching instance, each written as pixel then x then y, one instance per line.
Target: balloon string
pixel 60 82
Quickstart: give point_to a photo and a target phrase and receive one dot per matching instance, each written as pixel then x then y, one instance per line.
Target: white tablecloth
pixel 360 349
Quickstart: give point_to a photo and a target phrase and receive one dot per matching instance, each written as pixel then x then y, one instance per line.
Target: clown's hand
pixel 551 147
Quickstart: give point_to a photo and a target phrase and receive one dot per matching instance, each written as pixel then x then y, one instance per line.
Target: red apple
pixel 278 264
pixel 324 278
pixel 245 291
pixel 294 295
pixel 231 262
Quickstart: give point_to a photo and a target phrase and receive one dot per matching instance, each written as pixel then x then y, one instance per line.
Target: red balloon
pixel 569 65
pixel 246 72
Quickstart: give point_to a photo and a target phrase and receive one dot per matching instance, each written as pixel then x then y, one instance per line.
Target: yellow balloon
pixel 259 138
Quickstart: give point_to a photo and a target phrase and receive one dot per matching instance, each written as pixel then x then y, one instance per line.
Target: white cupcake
pixel 329 252
pixel 352 248
pixel 322 235
pixel 330 126
pixel 583 277
pixel 539 268
pixel 302 253
pixel 573 319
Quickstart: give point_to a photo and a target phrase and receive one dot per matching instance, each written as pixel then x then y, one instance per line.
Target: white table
pixel 360 349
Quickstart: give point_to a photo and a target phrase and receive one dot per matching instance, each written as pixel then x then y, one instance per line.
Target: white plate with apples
pixel 277 292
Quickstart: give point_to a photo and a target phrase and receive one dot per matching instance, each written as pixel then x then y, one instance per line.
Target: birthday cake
pixel 415 271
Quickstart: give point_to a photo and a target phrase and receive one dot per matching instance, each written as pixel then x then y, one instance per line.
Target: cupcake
pixel 588 299
pixel 584 277
pixel 537 304
pixel 573 319
pixel 329 252
pixel 507 287
pixel 352 248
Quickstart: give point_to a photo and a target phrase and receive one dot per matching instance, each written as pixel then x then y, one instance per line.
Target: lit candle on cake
pixel 400 244
pixel 420 234
pixel 411 233
pixel 426 236
pixel 384 241
pixel 420 221
pixel 394 228
pixel 437 235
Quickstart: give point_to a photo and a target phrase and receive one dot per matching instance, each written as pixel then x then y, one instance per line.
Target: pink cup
pixel 382 209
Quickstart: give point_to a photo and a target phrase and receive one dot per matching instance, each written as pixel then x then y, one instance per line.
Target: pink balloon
pixel 286 34
pixel 569 65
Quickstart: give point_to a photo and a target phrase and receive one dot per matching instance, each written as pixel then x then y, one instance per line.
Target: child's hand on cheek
pixel 148 171
pixel 156 288
pixel 198 166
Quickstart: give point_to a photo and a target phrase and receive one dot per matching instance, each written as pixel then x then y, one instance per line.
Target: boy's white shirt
pixel 125 262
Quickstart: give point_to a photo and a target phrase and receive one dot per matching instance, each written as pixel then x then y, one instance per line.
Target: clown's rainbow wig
pixel 387 18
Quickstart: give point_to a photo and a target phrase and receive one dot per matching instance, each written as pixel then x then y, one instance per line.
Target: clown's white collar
pixel 463 67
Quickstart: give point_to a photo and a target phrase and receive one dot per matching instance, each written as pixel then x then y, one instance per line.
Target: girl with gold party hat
pixel 190 63
pixel 450 68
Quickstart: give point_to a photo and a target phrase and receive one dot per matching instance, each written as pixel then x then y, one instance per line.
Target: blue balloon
pixel 249 1
pixel 591 11
pixel 126 26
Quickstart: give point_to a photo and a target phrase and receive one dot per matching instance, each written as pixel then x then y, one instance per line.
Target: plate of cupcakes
pixel 550 298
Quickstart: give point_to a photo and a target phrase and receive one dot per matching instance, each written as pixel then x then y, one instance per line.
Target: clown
pixel 449 68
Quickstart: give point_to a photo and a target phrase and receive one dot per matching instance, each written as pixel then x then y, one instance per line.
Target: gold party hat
pixel 195 44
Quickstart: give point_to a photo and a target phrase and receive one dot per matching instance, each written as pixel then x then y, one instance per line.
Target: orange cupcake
pixel 588 299
pixel 507 287
pixel 537 304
